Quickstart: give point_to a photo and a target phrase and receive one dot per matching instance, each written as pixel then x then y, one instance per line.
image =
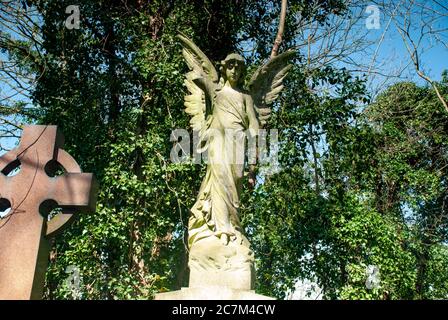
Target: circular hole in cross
pixel 54 169
pixel 5 207
pixel 47 207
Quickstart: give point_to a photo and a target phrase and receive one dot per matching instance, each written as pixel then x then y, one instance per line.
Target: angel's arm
pixel 254 126
pixel 208 87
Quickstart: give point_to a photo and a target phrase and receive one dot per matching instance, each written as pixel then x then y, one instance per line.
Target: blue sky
pixel 391 55
pixel 392 51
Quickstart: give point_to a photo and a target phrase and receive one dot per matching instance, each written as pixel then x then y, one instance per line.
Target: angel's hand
pixel 252 177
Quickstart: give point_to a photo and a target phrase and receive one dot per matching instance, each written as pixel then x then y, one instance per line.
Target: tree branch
pixel 281 28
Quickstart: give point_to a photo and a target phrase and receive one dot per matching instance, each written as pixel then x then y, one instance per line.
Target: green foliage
pixel 115 88
pixel 359 187
pixel 413 162
pixel 360 183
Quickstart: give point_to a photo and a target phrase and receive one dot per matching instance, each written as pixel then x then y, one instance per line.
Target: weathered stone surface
pixel 220 259
pixel 213 263
pixel 31 194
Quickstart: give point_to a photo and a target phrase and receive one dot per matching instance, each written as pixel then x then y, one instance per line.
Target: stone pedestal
pixel 214 264
pixel 218 272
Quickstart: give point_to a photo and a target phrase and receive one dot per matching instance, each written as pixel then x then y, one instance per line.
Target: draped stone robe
pixel 216 209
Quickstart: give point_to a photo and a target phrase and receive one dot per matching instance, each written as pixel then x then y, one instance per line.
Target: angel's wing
pixel 266 84
pixel 196 102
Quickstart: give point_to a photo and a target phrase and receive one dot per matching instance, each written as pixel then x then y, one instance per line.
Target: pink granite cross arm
pixel 31 194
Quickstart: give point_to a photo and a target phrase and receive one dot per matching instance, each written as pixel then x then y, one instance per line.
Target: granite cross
pixel 31 186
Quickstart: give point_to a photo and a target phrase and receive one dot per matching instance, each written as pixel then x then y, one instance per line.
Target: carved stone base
pixel 219 272
pixel 214 264
pixel 211 293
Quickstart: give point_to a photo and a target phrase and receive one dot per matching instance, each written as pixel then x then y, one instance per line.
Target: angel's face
pixel 234 69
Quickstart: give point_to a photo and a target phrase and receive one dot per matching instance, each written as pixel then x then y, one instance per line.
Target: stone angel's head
pixel 232 69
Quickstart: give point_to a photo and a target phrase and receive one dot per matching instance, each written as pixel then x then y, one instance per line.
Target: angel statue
pixel 218 104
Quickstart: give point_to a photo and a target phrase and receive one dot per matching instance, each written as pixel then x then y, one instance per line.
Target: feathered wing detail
pixel 197 60
pixel 267 82
pixel 196 104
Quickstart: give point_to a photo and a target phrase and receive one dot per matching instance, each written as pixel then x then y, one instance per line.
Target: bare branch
pixel 281 28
